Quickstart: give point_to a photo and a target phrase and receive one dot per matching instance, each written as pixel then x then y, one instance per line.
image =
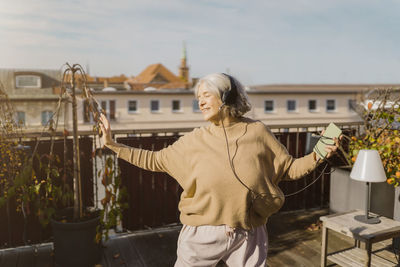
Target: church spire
pixel 184 51
pixel 184 69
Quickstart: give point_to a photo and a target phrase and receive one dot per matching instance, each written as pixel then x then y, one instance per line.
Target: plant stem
pixel 77 176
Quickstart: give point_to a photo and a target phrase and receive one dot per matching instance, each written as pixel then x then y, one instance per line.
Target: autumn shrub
pixel 380 110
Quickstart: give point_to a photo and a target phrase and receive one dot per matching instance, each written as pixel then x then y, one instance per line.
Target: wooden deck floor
pixel 290 244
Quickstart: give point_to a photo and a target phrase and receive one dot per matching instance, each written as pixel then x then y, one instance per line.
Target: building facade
pixel 273 105
pixel 31 93
pixel 35 95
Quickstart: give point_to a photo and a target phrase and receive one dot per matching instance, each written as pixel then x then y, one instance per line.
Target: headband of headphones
pixel 229 96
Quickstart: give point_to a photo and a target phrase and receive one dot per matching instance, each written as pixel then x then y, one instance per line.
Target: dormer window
pixel 28 81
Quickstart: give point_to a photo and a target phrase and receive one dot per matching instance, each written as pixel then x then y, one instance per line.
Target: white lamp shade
pixel 368 167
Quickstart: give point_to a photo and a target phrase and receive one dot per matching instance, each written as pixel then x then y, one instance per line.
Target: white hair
pixel 218 83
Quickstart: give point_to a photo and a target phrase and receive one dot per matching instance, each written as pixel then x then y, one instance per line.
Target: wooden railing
pixel 154 197
pixel 12 222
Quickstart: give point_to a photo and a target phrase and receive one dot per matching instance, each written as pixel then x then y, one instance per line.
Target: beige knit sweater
pixel 211 193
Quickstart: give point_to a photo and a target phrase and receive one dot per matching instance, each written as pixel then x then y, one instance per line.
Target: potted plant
pixel 380 112
pixel 13 186
pixel 41 185
pixel 26 179
pixel 78 242
pixel 78 234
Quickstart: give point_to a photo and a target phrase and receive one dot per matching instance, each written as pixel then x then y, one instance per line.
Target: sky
pixel 257 41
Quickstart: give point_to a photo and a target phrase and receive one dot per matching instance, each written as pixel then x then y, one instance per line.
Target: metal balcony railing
pixel 154 197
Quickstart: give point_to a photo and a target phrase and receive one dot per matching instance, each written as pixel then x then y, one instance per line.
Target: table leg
pixel 324 246
pixel 368 248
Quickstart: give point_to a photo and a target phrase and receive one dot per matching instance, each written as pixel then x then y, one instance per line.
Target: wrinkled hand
pixel 106 129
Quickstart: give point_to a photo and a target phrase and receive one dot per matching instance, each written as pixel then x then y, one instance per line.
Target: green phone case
pixel 327 139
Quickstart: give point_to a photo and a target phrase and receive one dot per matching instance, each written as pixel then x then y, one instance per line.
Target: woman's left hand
pixel 331 149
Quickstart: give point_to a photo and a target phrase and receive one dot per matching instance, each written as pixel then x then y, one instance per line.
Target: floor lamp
pixel 368 168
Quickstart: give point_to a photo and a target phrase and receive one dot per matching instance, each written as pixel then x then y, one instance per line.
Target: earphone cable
pixel 229 155
pixel 310 184
pixel 255 195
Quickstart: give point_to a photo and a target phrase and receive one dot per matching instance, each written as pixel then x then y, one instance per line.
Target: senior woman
pixel 229 171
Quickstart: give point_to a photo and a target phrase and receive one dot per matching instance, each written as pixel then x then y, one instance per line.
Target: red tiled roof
pixel 93 79
pixel 150 73
pixel 114 79
pixel 175 85
pixel 157 76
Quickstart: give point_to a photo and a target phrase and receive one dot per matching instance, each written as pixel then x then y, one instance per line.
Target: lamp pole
pixel 367 200
pixel 366 218
pixel 368 168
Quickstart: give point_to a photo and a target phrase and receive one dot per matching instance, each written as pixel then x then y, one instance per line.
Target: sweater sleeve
pixel 286 167
pixel 169 159
pixel 293 169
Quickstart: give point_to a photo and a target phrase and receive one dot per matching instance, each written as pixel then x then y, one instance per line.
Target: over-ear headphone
pixel 229 96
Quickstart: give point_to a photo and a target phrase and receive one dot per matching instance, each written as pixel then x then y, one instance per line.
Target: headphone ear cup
pixel 229 96
pixel 224 97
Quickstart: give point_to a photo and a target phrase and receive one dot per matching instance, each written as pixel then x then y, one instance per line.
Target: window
pixel 20 118
pixel 330 105
pixel 291 105
pixel 312 105
pixel 112 109
pixel 196 107
pixel 268 105
pixel 352 104
pixel 132 106
pixel 28 81
pixel 155 105
pixel 176 106
pixel 87 115
pixel 109 107
pixel 46 116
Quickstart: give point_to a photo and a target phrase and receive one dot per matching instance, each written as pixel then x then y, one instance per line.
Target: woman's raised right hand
pixel 106 129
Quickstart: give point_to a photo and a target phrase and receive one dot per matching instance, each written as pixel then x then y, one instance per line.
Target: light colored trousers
pixel 206 245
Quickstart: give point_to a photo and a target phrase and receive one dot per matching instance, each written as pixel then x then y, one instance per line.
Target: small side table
pixel 345 224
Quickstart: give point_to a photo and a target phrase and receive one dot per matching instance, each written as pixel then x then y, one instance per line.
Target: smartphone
pixel 327 139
